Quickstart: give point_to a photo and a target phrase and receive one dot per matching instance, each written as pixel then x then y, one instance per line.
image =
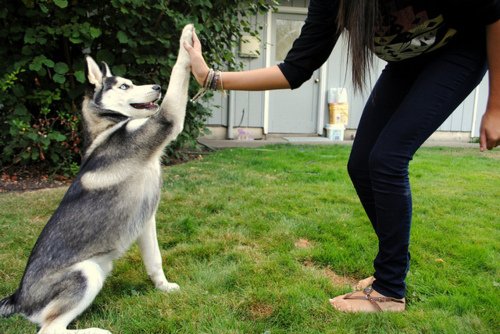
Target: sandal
pixel 364 301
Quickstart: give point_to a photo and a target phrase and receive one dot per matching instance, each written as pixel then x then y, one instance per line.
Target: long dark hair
pixel 358 18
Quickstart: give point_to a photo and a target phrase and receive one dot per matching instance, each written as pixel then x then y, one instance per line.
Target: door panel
pixel 291 111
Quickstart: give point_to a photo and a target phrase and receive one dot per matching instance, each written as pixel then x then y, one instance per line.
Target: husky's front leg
pixel 175 101
pixel 150 251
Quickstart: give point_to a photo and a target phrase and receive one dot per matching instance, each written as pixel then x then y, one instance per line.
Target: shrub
pixel 42 64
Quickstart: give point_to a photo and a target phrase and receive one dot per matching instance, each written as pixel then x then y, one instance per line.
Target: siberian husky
pixel 112 201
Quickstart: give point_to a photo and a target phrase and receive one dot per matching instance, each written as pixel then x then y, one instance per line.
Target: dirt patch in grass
pixel 335 279
pixel 261 311
pixel 339 280
pixel 303 243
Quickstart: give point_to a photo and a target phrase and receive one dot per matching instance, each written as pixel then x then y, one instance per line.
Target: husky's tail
pixel 7 306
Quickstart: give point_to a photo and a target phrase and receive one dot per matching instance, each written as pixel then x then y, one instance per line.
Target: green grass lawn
pixel 260 239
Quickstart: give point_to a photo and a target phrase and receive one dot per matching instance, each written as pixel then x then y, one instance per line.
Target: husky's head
pixel 117 95
pixel 114 99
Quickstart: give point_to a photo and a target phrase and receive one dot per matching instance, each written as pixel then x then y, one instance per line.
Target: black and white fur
pixel 112 201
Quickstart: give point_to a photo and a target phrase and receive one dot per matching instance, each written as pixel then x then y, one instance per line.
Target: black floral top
pixel 408 28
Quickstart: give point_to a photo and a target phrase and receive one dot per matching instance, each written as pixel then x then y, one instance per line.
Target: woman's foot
pixel 367 301
pixel 364 283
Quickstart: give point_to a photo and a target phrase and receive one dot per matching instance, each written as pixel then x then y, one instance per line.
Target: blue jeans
pixel 410 100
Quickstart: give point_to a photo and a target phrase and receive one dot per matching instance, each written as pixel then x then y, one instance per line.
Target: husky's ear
pixel 105 70
pixel 94 72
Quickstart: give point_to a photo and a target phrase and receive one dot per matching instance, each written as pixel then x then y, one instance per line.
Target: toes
pixel 338 303
pixel 350 305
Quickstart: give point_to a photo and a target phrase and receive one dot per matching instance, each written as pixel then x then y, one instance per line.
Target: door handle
pixel 316 80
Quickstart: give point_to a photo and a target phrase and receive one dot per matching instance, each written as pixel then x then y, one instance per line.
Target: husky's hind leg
pixel 150 251
pixel 57 315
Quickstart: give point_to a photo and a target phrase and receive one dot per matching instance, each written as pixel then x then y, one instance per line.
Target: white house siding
pixel 248 108
pixel 481 102
pixel 339 75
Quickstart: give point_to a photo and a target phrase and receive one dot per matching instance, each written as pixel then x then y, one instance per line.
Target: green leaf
pixel 80 76
pixel 95 32
pixel 42 72
pixel 48 62
pixel 61 3
pixel 59 78
pixel 35 154
pixel 75 40
pixel 57 136
pixel 75 37
pixel 61 68
pixel 122 37
pixel 45 141
pixel 29 36
pixel 38 61
pixel 54 157
pixel 35 66
pixel 32 136
pixel 19 91
pixel 50 30
pixel 21 110
pixel 25 155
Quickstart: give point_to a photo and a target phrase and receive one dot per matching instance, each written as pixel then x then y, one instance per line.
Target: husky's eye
pixel 124 86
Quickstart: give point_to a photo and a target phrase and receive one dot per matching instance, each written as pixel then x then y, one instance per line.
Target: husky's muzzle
pixel 151 104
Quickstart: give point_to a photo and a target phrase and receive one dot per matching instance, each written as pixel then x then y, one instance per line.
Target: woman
pixel 437 53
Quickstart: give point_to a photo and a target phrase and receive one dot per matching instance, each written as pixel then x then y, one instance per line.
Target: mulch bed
pixel 34 178
pixel 31 179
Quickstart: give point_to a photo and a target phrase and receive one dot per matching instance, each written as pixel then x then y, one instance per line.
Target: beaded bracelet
pixel 210 83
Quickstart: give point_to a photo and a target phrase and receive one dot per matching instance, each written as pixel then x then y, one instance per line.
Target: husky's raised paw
pixel 186 37
pixel 187 34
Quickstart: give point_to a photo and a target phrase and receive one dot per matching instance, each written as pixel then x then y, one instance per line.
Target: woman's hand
pixel 490 130
pixel 199 67
pixel 490 124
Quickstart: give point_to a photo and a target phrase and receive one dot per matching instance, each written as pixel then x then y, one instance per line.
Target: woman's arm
pixel 312 48
pixel 490 124
pixel 259 79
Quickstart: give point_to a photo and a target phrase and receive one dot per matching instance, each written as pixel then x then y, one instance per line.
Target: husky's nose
pixel 156 87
